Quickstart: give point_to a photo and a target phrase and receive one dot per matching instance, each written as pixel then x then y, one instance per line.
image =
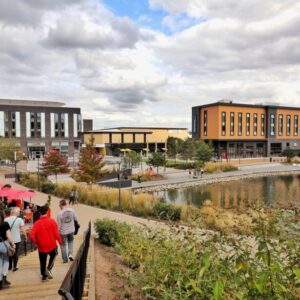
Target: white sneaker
pixel 71 258
pixel 49 274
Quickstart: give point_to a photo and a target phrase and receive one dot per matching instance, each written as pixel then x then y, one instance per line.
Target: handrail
pixel 73 283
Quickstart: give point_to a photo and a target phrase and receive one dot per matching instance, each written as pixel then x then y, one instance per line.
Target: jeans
pixel 67 238
pixel 13 260
pixel 4 263
pixel 43 260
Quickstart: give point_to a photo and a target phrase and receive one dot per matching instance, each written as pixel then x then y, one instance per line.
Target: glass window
pixel 296 124
pixel 223 123
pixel 232 123
pixel 255 124
pixel 262 124
pixel 288 125
pixel 56 125
pixel 272 131
pixel 205 123
pixel 247 124
pixel 280 124
pixel 62 124
pixel 79 123
pixel 240 123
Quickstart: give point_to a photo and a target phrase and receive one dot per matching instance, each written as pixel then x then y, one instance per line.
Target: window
pixel 272 131
pixel 79 123
pixel 255 124
pixel 32 124
pixel 247 124
pixel 296 125
pixel 62 124
pixel 205 123
pixel 262 124
pixel 240 123
pixel 56 125
pixel 232 123
pixel 280 125
pixel 288 125
pixel 223 123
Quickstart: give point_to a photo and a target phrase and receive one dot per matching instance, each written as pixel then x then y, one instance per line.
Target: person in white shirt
pixel 17 228
pixel 66 228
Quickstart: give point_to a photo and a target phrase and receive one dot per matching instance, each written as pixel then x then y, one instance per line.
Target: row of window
pixel 255 124
pixel 10 124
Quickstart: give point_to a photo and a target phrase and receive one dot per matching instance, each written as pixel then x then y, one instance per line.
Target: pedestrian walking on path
pixel 66 227
pixel 17 228
pixel 5 240
pixel 45 235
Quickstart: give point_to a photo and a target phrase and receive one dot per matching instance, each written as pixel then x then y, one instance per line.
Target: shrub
pixel 48 187
pixel 229 168
pixel 165 211
pixel 108 231
pixel 219 167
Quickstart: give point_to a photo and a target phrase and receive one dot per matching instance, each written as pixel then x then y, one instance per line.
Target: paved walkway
pixel 184 177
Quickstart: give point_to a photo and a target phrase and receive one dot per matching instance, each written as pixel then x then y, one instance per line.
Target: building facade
pixel 40 125
pixel 244 130
pixel 151 139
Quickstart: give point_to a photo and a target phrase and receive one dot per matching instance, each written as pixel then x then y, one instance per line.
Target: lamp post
pixel 73 161
pixel 15 157
pixel 119 177
pixel 38 169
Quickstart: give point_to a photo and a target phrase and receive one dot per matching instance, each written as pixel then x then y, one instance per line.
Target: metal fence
pixel 26 247
pixel 73 284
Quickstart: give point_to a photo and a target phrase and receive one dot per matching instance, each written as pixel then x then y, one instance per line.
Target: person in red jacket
pixel 45 234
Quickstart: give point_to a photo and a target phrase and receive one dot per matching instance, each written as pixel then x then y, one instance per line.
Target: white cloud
pixel 123 74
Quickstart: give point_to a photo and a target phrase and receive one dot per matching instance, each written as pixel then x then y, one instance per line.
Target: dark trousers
pixel 13 260
pixel 43 260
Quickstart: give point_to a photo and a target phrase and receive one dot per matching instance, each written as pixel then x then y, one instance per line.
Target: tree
pixel 203 153
pixel 90 164
pixel 174 146
pixel 54 163
pixel 131 159
pixel 188 150
pixel 289 153
pixel 157 160
pixel 8 148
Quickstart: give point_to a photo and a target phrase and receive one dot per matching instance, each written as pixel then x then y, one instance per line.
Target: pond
pixel 277 191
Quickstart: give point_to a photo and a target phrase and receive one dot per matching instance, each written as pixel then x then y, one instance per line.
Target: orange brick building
pixel 246 130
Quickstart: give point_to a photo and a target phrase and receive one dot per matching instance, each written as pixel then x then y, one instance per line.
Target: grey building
pixel 40 125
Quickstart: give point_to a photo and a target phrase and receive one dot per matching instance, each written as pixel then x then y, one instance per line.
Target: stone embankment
pixel 210 180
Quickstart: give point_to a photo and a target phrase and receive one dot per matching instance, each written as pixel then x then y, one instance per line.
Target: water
pixel 277 191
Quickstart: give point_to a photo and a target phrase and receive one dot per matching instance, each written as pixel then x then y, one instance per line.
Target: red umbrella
pixel 5 192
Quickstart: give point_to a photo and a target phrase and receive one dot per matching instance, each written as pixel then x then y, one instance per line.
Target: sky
pixel 147 62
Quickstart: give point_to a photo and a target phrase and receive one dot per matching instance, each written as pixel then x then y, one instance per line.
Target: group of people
pixel 196 172
pixel 46 233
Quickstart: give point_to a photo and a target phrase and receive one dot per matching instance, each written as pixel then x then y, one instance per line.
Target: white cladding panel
pixel 28 133
pixel 2 133
pixel 18 124
pixel 43 125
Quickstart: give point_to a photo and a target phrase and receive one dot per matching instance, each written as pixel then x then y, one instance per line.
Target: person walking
pixel 45 235
pixel 5 239
pixel 76 196
pixel 16 227
pixel 72 197
pixel 66 227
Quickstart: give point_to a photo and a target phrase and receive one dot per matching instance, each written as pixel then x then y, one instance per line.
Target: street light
pixel 38 168
pixel 15 166
pixel 119 178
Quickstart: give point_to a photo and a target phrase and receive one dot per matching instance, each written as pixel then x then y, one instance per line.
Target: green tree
pixel 203 152
pixel 10 150
pixel 54 163
pixel 90 164
pixel 188 149
pixel 289 153
pixel 131 159
pixel 157 160
pixel 174 146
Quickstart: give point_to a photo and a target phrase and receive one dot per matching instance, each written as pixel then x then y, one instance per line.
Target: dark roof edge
pixel 145 127
pixel 247 105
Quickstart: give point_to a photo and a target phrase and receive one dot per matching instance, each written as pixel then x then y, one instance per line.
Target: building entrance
pixel 36 152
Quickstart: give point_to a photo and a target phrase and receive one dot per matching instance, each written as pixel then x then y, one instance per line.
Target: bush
pixel 48 187
pixel 219 167
pixel 229 168
pixel 109 231
pixel 180 165
pixel 165 211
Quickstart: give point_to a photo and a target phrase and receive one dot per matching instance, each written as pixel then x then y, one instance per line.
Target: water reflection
pixel 272 190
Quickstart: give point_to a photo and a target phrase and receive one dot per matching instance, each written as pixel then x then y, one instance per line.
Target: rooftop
pixel 31 103
pixel 145 128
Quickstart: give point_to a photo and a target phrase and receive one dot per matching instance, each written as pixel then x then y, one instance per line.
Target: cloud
pixel 75 32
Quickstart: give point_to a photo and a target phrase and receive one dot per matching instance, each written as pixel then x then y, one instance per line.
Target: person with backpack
pixel 17 228
pixel 66 225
